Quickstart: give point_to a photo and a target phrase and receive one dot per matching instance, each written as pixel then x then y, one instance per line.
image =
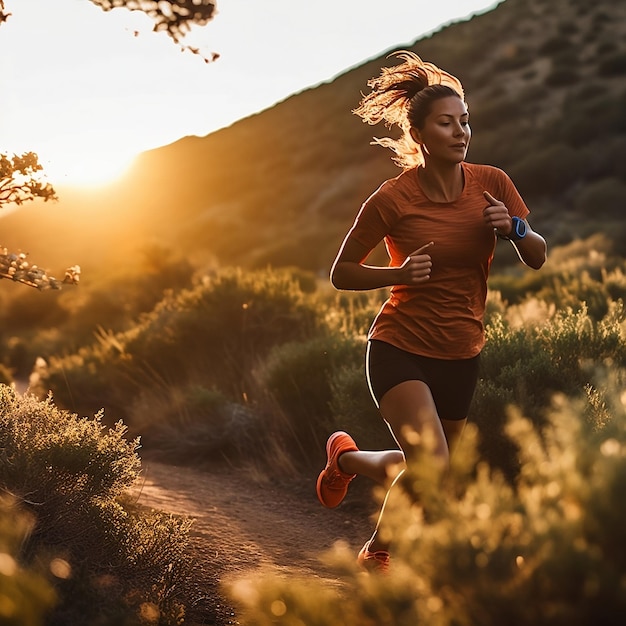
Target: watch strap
pixel 518 230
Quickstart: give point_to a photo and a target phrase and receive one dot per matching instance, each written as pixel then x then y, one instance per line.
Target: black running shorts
pixel 451 382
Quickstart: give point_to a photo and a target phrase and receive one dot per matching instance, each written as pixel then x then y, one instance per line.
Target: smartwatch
pixel 518 230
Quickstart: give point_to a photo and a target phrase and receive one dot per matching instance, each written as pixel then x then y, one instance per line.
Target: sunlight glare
pixel 99 88
pixel 84 166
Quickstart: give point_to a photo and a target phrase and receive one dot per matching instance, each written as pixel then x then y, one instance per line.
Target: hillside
pixel 546 86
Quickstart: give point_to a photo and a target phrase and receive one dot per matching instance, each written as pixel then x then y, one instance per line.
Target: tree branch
pixel 15 267
pixel 175 17
pixel 3 15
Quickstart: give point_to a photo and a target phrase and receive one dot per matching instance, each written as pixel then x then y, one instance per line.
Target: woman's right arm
pixel 349 271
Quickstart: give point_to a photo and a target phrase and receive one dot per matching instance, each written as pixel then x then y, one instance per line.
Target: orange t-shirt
pixel 443 317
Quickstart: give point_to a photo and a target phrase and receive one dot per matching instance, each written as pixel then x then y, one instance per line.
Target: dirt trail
pixel 243 529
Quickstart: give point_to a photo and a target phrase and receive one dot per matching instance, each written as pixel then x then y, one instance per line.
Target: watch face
pixel 519 228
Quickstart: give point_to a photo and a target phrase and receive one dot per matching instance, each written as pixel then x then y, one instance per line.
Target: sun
pixel 84 166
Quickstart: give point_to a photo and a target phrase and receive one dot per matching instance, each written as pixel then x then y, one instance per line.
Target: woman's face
pixel 446 133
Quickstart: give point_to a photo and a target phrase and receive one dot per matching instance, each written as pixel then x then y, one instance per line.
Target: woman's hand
pixel 350 272
pixel 416 267
pixel 497 215
pixel 531 249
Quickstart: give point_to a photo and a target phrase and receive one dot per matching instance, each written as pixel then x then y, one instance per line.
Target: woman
pixel 439 219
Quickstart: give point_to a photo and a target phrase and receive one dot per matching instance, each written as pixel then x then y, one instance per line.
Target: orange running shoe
pixel 373 561
pixel 332 483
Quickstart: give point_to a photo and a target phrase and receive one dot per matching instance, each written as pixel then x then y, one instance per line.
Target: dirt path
pixel 244 529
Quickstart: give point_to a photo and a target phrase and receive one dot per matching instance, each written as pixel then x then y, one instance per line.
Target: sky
pixel 88 90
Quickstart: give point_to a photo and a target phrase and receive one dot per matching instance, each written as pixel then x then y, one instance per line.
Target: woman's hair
pixel 402 95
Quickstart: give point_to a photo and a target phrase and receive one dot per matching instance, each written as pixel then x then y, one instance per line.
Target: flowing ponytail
pixel 401 95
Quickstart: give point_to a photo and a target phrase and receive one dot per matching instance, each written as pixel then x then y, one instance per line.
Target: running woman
pixel 440 220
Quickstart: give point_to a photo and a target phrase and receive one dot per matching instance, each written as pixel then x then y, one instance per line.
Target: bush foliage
pixel 545 551
pixel 107 561
pixel 241 364
pixel 247 367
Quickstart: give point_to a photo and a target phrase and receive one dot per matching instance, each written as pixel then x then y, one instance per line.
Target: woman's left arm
pixel 531 246
pixel 532 249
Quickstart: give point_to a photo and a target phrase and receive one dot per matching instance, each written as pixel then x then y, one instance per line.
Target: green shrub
pixel 191 376
pixel 224 326
pixel 212 335
pixel 300 375
pixel 352 313
pixel 575 291
pixel 476 550
pixel 519 284
pixel 200 426
pixel 569 353
pixel 71 474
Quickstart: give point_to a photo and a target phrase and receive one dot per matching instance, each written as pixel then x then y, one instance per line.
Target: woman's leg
pixel 453 430
pixel 382 466
pixel 409 410
pixel 408 407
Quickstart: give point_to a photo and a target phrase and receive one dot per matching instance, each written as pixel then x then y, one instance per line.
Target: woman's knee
pixel 431 448
pixel 411 414
pixel 392 464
